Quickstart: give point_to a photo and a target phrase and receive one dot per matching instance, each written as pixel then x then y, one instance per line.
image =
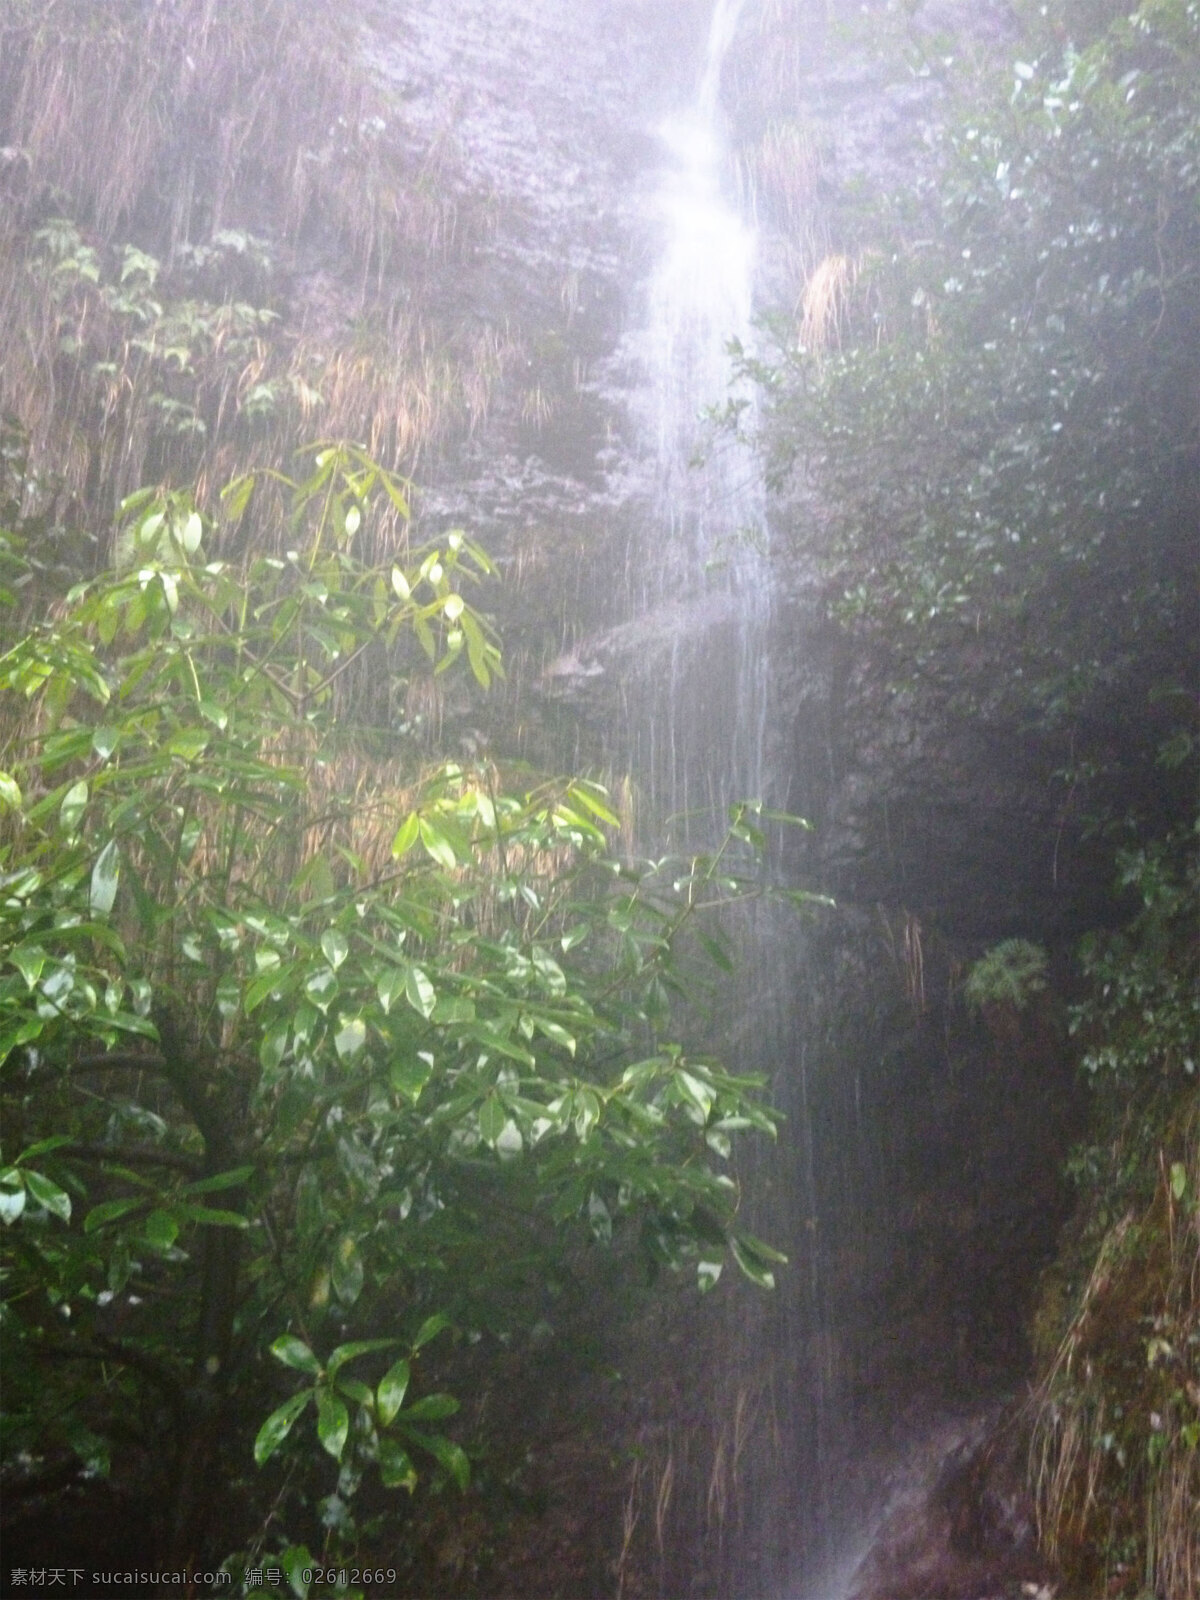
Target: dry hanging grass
pixel 779 177
pixel 1115 1458
pixel 204 366
pixel 825 304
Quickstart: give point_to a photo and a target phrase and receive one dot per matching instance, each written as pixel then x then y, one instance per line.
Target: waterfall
pixel 702 572
pixel 697 711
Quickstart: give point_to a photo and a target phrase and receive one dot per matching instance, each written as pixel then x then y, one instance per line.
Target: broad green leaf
pixel 335 946
pixel 278 1425
pixel 295 1353
pixel 12 1038
pixel 274 1046
pixel 450 1456
pixel 587 1113
pixel 29 960
pixel 351 1352
pixel 430 1329
pixel 105 875
pixel 12 1203
pixel 321 987
pixel 451 1009
pixel 137 501
pixel 393 1386
pixel 556 1032
pixel 161 1230
pixel 595 799
pixel 296 1561
pixel 350 1038
pixel 707 1274
pixel 396 1470
pixel 191 534
pixel 406 835
pixel 788 818
pixel 347 1271
pixel 696 1092
pixel 409 1074
pixel 355 1389
pixel 389 986
pixel 436 844
pixel 492 1117
pixel 74 804
pixel 716 1139
pixel 10 793
pixel 189 744
pixel 431 1408
pixel 208 1217
pixel 421 994
pixel 55 1142
pixel 269 979
pixel 212 712
pixel 109 1211
pixel 761 1250
pixel 232 1179
pixel 333 1422
pixel 483 660
pixel 752 1257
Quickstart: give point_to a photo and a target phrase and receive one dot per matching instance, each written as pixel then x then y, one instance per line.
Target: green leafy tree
pixel 1005 429
pixel 288 1023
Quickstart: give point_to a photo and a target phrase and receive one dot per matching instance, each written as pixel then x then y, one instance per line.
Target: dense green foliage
pixel 311 1052
pixel 1006 423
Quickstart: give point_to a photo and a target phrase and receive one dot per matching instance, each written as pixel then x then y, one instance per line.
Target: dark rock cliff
pixel 917 1191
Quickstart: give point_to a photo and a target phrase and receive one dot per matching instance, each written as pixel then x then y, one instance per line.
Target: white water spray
pixel 709 560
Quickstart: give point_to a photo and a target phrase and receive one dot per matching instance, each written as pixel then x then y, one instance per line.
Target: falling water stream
pixel 700 566
pixel 697 718
pixel 684 665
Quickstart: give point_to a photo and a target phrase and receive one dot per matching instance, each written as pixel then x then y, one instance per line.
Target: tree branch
pixel 105 1349
pixel 120 1060
pixel 134 1155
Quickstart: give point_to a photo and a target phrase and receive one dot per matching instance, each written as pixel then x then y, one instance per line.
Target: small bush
pixel 1010 974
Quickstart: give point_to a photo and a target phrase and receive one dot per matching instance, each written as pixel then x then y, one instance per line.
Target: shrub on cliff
pixel 1117 1416
pixel 310 1053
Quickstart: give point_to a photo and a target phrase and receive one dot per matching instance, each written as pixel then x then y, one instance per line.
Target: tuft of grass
pixel 779 175
pixel 1115 1456
pixel 825 304
pixel 150 336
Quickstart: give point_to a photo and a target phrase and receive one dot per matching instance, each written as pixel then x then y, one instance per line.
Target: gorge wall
pixel 916 1190
pixel 597 198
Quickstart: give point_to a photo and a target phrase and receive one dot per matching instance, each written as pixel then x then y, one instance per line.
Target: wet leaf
pixel 393 1386
pixel 295 1353
pixel 105 876
pixel 333 1423
pixel 278 1425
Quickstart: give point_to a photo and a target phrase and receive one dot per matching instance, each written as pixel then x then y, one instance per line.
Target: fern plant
pixel 1009 974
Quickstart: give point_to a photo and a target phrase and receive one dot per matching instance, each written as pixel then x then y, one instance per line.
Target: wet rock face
pixel 538 101
pixel 543 119
pixel 918 1188
pixel 963 1529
